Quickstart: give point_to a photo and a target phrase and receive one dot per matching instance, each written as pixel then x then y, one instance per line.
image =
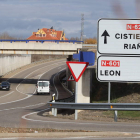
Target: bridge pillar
pixel 84 86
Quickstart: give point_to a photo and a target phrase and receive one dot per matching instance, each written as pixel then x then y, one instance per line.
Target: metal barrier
pixel 97 106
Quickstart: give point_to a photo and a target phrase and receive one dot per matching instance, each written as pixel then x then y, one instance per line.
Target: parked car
pixel 43 87
pixel 5 85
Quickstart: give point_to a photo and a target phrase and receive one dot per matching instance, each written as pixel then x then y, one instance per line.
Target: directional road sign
pixel 77 68
pixel 119 36
pixel 118 68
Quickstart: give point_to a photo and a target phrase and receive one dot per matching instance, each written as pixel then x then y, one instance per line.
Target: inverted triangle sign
pixel 77 69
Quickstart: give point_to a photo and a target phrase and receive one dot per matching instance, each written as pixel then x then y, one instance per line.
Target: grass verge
pixel 124 114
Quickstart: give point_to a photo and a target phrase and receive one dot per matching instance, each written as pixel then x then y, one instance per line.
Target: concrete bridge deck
pixel 33 47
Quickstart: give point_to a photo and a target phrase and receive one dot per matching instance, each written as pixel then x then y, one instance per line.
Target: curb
pixel 69 134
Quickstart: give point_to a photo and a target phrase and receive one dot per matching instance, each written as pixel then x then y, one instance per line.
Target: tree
pixel 90 41
pixel 75 38
pixel 5 35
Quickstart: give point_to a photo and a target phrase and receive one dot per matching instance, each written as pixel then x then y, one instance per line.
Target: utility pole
pixel 82 26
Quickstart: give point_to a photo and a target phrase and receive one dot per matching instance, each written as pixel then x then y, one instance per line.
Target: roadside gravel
pixel 35 130
pixel 91 115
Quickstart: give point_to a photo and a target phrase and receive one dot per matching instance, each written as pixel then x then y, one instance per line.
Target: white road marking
pixel 17 100
pixel 29 68
pixel 8 138
pixel 17 138
pixel 64 122
pixel 7 94
pixel 134 132
pixel 24 117
pixel 101 138
pixel 33 72
pixel 55 87
pixel 22 107
pixel 84 137
pixel 65 87
pixel 28 96
pixel 62 70
pixel 54 83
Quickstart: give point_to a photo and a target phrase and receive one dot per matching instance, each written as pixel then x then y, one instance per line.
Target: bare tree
pixel 5 36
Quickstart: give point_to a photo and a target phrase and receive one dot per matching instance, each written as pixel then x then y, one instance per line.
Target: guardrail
pixel 97 106
pixel 42 41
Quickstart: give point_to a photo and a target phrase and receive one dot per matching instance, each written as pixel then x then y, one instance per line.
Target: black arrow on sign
pixel 105 34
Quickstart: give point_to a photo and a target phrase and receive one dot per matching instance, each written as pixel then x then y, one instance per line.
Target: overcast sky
pixel 20 18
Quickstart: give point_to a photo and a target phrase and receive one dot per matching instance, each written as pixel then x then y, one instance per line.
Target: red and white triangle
pixel 71 78
pixel 77 69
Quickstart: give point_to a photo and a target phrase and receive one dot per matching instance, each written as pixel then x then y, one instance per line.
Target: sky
pixel 19 18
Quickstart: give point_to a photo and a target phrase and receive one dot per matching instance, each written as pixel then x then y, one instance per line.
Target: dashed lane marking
pixel 22 107
pixel 28 96
pixel 33 72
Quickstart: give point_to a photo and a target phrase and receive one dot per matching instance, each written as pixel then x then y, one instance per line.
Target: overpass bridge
pixel 52 47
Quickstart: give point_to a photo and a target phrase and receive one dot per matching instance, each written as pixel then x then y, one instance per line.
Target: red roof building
pixel 47 34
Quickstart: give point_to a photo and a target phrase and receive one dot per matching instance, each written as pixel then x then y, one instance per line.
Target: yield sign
pixel 77 69
pixel 71 78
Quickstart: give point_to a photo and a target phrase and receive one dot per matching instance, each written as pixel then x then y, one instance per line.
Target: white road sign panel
pixel 118 69
pixel 119 36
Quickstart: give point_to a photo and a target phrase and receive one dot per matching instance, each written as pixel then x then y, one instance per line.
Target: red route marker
pixel 110 63
pixel 133 26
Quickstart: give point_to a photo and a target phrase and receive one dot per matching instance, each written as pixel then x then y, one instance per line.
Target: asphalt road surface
pixel 22 98
pixel 21 107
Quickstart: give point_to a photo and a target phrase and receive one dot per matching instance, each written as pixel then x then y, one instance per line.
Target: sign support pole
pixel 77 69
pixel 76 92
pixel 109 88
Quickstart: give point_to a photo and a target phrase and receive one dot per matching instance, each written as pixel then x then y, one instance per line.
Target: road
pixel 21 107
pixel 22 98
pixel 76 138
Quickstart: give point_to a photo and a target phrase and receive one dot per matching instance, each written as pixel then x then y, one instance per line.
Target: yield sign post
pixel 77 69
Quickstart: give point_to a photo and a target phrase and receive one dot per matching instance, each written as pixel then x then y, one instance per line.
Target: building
pixel 47 34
